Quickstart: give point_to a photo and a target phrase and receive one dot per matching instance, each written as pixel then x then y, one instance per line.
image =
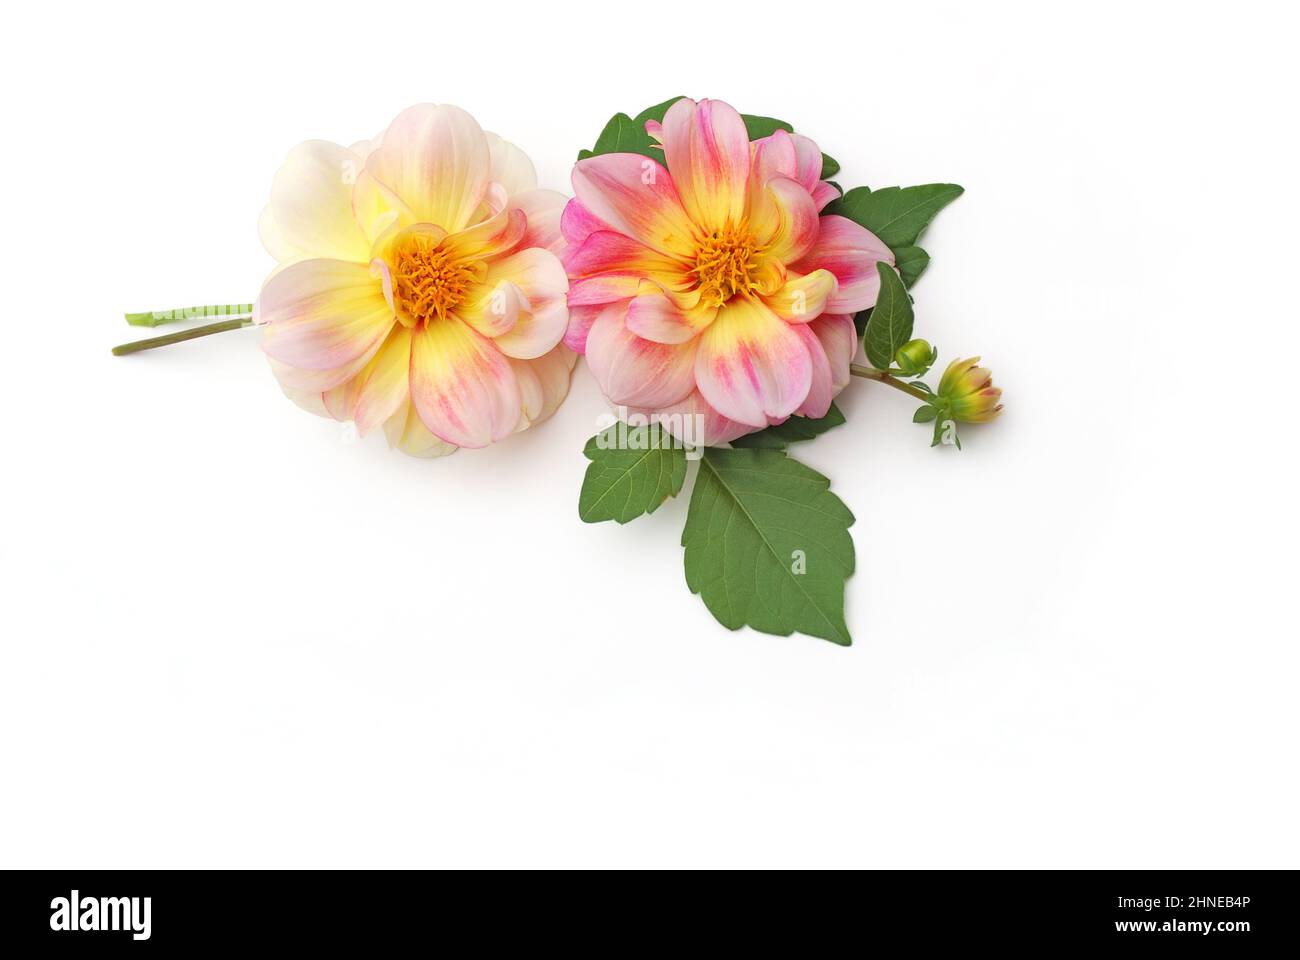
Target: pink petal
pixel 659 315
pixel 607 251
pixel 851 252
pixel 693 421
pixel 577 223
pixel 784 218
pixel 634 371
pixel 635 196
pixel 821 390
pixel 839 338
pixel 542 209
pixel 538 275
pixel 462 386
pixel 580 320
pixel 323 314
pixel 706 148
pixel 437 161
pixel 823 194
pixel 775 156
pixel 752 366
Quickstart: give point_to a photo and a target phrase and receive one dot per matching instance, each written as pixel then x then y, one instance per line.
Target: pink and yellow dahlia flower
pixel 712 286
pixel 418 284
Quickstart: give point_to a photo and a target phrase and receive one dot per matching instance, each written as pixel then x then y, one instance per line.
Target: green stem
pixel 155 318
pixel 870 373
pixel 182 335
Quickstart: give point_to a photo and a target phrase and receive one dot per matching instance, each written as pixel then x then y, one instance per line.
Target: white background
pixel 231 638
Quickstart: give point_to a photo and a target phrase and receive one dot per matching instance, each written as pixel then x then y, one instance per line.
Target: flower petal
pixel 498 233
pixel 310 214
pixel 540 278
pixel 635 196
pixel 851 252
pixel 802 299
pixel 635 371
pixel 752 366
pixel 695 422
pixel 543 384
pixel 784 218
pixel 609 252
pixel 580 320
pixel 461 385
pixel 821 389
pixel 839 338
pixel 542 209
pixel 510 166
pixel 406 432
pixel 775 156
pixel 495 309
pixel 706 148
pixel 437 161
pixel 665 317
pixel 374 394
pixel 577 223
pixel 323 314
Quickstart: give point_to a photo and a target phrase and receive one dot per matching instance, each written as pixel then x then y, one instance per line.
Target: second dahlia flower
pixel 418 285
pixel 711 285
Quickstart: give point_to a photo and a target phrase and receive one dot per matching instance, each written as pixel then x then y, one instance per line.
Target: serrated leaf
pixel 890 325
pixel 911 263
pixel 896 215
pixel 830 166
pixel 768 545
pixel 924 414
pixel 791 431
pixel 632 471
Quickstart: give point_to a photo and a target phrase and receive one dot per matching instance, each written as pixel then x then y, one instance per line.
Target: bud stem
pixel 182 335
pixel 881 376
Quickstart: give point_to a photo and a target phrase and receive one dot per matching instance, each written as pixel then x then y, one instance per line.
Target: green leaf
pixel 890 325
pixel 632 471
pixel 860 321
pixel 768 545
pixel 924 414
pixel 656 112
pixel 621 135
pixel 760 127
pixel 792 431
pixel 830 166
pixel 896 215
pixel 624 134
pixel 911 263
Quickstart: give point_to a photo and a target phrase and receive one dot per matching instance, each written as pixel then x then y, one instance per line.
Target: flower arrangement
pixel 719 282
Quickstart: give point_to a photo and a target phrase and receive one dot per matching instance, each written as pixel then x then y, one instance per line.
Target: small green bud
pixel 915 357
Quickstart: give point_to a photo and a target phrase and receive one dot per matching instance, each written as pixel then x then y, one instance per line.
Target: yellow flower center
pixel 724 261
pixel 428 280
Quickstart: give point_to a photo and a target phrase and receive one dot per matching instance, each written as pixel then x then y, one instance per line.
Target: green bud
pixel 915 357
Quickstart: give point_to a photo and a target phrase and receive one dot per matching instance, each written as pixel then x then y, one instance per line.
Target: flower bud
pixel 915 357
pixel 969 392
